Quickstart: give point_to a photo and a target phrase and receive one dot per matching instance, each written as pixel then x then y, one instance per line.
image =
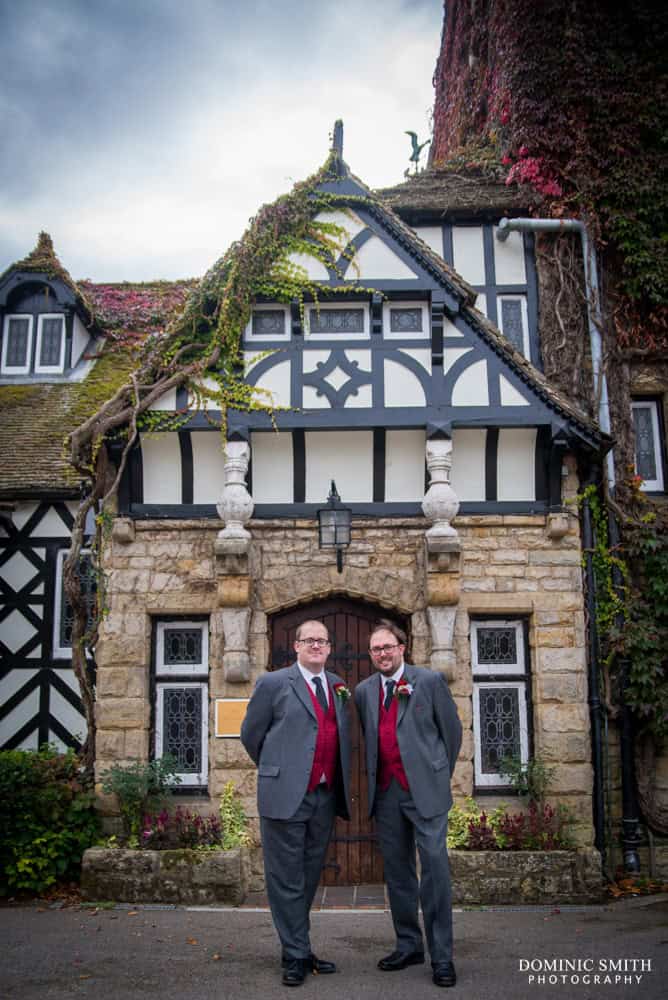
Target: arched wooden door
pixel 354 857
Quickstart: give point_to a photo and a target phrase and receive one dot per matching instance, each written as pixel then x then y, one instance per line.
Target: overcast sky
pixel 143 134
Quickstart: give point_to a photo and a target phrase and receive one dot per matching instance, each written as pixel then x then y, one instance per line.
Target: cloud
pixel 143 135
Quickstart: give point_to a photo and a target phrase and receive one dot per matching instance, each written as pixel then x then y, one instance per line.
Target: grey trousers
pixel 400 827
pixel 294 852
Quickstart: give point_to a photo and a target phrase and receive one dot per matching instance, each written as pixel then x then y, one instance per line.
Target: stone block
pixel 560 637
pixel 136 744
pixel 234 591
pixel 562 660
pixel 123 531
pixel 510 556
pixel 564 718
pixel 555 557
pixel 572 778
pixel 111 681
pixel 109 744
pixel 558 748
pixel 562 687
pixel 122 713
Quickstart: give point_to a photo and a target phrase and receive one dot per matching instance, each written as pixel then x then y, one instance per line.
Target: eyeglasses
pixel 377 650
pixel 314 643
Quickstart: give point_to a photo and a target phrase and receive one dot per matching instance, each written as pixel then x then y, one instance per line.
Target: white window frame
pixel 522 299
pixel 276 337
pixel 188 780
pixel 424 334
pixel 656 485
pixel 328 307
pixel 50 369
pixel 499 668
pixel 61 652
pixel 16 369
pixel 482 678
pixel 495 780
pixel 163 669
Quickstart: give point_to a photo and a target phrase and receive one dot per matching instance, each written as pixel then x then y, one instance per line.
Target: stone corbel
pixel 236 660
pixel 443 547
pixel 442 627
pixel 557 525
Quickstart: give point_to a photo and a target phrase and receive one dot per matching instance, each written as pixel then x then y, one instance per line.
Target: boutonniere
pixel 403 689
pixel 342 692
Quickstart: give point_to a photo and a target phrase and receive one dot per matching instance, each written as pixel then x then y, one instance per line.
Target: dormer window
pixel 16 345
pixel 50 349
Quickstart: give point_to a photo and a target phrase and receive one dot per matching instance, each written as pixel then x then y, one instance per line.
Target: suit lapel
pixel 300 689
pixel 332 679
pixel 374 695
pixel 403 702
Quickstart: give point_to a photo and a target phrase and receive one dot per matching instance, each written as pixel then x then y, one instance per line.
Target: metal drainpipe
pixel 630 838
pixel 506 226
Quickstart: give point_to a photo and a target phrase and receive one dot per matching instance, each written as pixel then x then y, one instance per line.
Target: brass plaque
pixel 230 714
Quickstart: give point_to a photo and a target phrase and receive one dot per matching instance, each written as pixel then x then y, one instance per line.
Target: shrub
pixel 233 819
pixel 541 829
pixel 193 830
pixel 47 818
pixel 140 788
pixel 531 780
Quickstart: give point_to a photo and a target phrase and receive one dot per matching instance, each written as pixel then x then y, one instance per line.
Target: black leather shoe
pixel 319 967
pixel 294 972
pixel 400 959
pixel 444 974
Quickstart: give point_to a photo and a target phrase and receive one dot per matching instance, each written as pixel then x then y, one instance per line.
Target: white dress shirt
pixel 308 677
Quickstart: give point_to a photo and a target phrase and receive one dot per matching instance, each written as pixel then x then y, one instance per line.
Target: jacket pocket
pixel 439 764
pixel 268 770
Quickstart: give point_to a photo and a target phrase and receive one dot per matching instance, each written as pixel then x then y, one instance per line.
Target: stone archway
pixel 354 857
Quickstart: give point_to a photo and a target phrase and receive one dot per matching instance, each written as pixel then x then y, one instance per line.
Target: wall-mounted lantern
pixel 334 526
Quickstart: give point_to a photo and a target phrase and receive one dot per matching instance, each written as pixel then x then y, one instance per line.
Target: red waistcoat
pixel 326 745
pixel 389 757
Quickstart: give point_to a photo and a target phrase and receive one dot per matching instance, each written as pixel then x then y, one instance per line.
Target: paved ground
pixel 197 954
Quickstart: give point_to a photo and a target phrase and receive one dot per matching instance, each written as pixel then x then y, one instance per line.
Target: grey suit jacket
pixel 279 733
pixel 429 735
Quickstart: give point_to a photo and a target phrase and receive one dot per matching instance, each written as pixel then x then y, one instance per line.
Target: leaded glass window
pixel 50 341
pixel 499 726
pixel 183 645
pixel 336 321
pixel 268 323
pixel 500 694
pixel 64 613
pixel 16 349
pixel 182 648
pixel 649 443
pixel 182 727
pixel 406 320
pixel 512 322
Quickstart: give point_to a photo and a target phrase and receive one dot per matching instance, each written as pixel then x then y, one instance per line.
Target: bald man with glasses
pixel 296 731
pixel 412 734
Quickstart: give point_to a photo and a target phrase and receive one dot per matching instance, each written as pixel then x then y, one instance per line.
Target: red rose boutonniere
pixel 403 689
pixel 342 692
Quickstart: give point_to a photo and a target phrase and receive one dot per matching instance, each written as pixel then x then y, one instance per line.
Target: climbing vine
pixel 200 350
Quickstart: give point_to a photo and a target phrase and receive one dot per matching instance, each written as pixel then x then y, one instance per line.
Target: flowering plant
pixel 403 689
pixel 342 692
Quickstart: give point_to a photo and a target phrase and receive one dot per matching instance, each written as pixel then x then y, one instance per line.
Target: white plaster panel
pixel 314 268
pixel 516 464
pixel 452 354
pixel 363 359
pixel 16 631
pixel 51 526
pixel 17 571
pixel 13 682
pixel 471 387
pixel 509 260
pixel 204 402
pixel 481 304
pixel 17 718
pixel 31 742
pixel 208 466
pixel 271 455
pixel 311 360
pixel 449 329
pixel 66 714
pixel 402 387
pixel 79 339
pixel 166 402
pixel 34 654
pixel 161 464
pixel 346 457
pixel 67 676
pixel 421 355
pixel 347 220
pixel 468 463
pixel 363 398
pixel 276 383
pixel 375 260
pixel 404 466
pixel 432 236
pixel 468 253
pixel 312 401
pixel 510 395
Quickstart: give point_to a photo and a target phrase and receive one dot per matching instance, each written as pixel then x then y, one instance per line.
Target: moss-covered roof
pixel 43 260
pixel 458 192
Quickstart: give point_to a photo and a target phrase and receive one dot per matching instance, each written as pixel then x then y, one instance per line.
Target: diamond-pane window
pixel 336 321
pixel 182 727
pixel 405 320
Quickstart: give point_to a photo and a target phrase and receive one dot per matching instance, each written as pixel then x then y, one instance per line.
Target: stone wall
pixel 514 565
